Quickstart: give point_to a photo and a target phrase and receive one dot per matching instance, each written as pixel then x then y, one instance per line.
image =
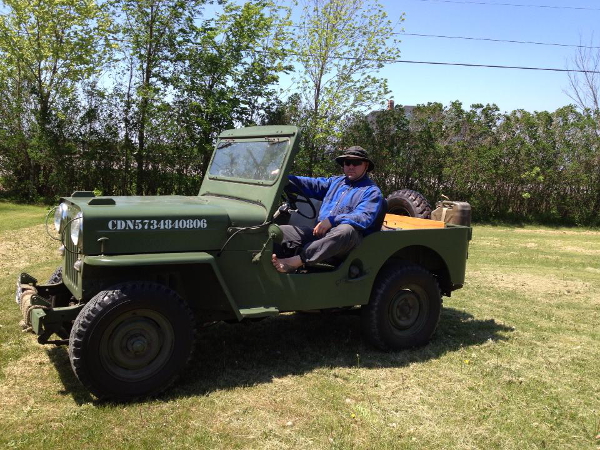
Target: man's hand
pixel 322 227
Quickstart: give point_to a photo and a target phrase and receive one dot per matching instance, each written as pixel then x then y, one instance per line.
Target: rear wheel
pixel 404 308
pixel 407 202
pixel 132 341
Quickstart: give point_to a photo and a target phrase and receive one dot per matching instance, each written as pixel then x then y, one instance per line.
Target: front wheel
pixel 132 340
pixel 404 308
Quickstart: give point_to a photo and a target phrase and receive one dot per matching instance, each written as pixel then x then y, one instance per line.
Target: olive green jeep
pixel 140 274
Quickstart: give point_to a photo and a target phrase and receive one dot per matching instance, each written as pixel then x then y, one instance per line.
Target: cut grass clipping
pixel 513 364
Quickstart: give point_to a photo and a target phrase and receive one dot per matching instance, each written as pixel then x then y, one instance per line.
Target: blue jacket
pixel 354 203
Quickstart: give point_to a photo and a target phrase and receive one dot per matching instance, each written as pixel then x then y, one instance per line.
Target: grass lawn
pixel 21 216
pixel 514 364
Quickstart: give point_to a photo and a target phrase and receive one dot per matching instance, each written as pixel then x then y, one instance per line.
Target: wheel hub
pixel 404 310
pixel 137 345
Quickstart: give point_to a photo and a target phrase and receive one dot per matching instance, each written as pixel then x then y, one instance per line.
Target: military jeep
pixel 140 274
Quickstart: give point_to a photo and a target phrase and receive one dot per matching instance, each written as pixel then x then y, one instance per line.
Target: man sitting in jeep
pixel 352 203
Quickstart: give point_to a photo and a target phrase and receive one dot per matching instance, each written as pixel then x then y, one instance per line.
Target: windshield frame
pixel 220 144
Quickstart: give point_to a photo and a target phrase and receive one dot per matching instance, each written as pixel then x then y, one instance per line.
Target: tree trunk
pixel 141 156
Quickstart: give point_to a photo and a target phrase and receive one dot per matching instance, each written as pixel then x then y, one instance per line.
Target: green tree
pixel 48 47
pixel 386 135
pixel 187 78
pixel 227 75
pixel 340 47
pixel 150 33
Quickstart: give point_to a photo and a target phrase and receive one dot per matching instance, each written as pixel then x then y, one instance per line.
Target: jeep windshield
pixel 249 161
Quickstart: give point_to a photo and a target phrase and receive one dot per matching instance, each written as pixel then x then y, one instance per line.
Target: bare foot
pixel 286 265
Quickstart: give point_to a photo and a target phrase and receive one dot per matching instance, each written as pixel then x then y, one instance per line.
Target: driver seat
pixel 298 220
pixel 333 263
pixel 381 217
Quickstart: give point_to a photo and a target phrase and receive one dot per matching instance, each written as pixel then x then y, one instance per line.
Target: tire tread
pixel 370 317
pixel 414 202
pixel 94 307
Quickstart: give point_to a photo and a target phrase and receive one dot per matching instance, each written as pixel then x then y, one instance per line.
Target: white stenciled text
pixel 157 224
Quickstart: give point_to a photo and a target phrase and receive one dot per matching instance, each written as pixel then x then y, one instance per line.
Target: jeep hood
pixel 153 224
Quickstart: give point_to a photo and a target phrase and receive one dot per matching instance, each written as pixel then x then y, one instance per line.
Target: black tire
pixel 56 276
pixel 407 202
pixel 132 341
pixel 404 308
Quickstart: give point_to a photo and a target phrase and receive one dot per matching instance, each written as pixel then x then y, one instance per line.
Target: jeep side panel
pixel 442 251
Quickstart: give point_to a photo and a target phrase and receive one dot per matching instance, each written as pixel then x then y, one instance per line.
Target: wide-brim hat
pixel 355 152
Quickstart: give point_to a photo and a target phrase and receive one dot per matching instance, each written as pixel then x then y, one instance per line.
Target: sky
pixel 545 21
pixel 510 89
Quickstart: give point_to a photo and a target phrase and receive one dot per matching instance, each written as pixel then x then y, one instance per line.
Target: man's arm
pixel 312 187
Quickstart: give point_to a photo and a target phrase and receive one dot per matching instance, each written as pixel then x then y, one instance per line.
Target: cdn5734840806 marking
pixel 156 224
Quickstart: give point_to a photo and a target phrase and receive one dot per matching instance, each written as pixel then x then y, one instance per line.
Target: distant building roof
pixel 408 112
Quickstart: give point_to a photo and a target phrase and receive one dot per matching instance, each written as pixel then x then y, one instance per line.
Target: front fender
pixel 194 264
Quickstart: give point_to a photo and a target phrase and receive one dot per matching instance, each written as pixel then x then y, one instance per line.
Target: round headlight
pixel 60 214
pixel 77 228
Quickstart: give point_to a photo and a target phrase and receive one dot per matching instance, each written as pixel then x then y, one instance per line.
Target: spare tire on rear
pixel 407 202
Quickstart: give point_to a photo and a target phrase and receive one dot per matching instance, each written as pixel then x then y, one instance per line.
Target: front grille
pixel 71 255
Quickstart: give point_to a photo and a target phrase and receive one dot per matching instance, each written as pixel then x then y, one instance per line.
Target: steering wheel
pixel 291 198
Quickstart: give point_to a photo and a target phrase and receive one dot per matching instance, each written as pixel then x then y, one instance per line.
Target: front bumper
pixel 39 314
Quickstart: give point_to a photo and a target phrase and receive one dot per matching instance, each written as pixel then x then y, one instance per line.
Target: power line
pixel 496 40
pixel 440 63
pixel 585 8
pixel 492 66
pixel 511 41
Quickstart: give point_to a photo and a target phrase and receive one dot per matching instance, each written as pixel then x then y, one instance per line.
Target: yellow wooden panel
pixel 410 223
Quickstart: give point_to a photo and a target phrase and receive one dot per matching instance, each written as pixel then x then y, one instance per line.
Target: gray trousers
pixel 299 240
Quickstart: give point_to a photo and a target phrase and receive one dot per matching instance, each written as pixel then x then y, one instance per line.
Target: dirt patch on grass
pixel 559 232
pixel 547 286
pixel 24 247
pixel 578 250
pixel 589 250
pixel 489 243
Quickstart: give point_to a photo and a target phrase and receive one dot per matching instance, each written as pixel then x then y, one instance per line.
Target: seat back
pixel 381 217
